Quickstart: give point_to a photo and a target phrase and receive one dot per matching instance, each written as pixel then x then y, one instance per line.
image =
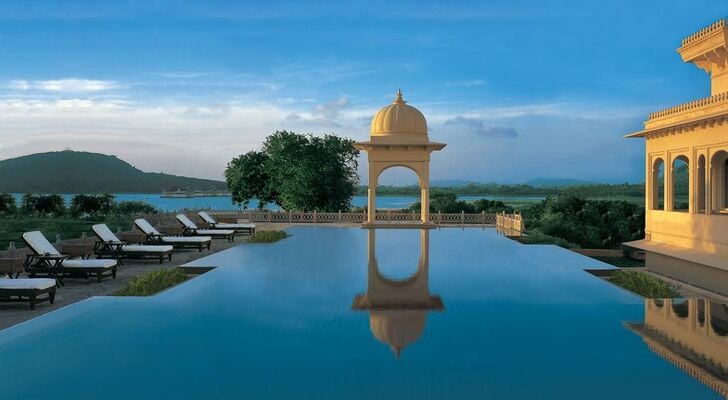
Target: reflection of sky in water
pixel 225 203
pixel 276 321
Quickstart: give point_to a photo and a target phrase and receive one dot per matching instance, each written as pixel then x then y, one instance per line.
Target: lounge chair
pixel 248 228
pixel 191 229
pixel 153 236
pixel 45 259
pixel 27 290
pixel 110 245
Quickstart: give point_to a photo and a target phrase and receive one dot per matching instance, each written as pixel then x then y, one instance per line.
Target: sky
pixel 517 89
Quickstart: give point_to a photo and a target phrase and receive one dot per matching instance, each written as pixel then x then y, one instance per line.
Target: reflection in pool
pixel 276 321
pixel 398 308
pixel 691 334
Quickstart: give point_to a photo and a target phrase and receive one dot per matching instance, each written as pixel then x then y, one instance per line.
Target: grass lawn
pixel 644 284
pixel 152 282
pixel 11 229
pixel 267 236
pixel 622 262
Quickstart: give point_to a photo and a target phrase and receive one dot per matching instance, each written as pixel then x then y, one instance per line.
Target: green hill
pixel 82 172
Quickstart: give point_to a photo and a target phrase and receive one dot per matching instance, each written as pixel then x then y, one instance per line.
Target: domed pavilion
pixel 399 138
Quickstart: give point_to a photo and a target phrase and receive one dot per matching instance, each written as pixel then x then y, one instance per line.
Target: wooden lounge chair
pixel 45 259
pixel 27 290
pixel 153 236
pixel 110 245
pixel 191 229
pixel 248 228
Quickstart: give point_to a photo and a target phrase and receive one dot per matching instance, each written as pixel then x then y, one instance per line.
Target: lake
pixel 225 203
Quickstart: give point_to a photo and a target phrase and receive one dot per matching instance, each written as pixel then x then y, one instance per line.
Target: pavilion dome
pixel 398 118
pixel 397 328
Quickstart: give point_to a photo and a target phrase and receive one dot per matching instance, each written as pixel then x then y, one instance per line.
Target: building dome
pixel 398 118
pixel 397 328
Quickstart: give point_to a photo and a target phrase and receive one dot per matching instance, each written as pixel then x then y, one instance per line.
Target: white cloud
pixel 554 139
pixel 70 85
pixel 331 109
pixel 478 127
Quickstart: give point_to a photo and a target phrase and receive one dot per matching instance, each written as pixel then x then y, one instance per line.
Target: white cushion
pixel 27 283
pixel 206 217
pixel 104 233
pixel 215 231
pixel 143 248
pixel 88 263
pixel 235 226
pixel 186 239
pixel 145 226
pixel 186 221
pixel 39 243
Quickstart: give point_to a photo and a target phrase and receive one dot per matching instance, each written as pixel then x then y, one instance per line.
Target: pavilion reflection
pixel 398 308
pixel 691 334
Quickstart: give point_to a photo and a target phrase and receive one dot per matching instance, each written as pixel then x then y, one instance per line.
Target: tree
pixel 297 172
pixel 7 204
pixel 87 205
pixel 247 178
pixel 44 205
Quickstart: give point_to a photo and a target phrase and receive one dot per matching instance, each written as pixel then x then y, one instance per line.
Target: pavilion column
pixel 707 190
pixel 700 203
pixel 372 204
pixel 372 194
pixel 669 190
pixel 425 202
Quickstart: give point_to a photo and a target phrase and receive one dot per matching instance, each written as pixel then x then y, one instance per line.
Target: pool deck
pixel 79 289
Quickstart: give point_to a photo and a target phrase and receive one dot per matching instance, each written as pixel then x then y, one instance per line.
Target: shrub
pixel 152 282
pixel 535 236
pixel 7 204
pixel 50 205
pixel 134 208
pixel 267 236
pixel 644 284
pixel 85 205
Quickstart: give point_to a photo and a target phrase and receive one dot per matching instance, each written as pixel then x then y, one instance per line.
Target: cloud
pixel 478 127
pixel 331 109
pixel 63 85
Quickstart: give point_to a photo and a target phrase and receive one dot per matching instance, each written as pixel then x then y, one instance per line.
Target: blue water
pixel 276 321
pixel 225 203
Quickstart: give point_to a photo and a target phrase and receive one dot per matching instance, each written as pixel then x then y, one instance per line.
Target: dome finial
pixel 398 99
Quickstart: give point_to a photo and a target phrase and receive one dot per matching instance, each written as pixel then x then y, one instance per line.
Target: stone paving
pixel 80 289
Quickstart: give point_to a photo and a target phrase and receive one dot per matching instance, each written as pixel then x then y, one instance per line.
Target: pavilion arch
pixel 680 184
pixel 657 188
pixel 381 168
pixel 718 184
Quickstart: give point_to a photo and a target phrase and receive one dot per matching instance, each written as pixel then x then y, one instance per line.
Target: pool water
pixel 348 313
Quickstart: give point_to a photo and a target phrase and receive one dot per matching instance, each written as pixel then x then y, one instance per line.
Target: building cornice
pixel 683 126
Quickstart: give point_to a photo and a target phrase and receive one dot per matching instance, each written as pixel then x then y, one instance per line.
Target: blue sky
pixel 518 89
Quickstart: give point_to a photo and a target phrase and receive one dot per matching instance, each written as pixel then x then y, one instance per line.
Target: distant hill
pixel 448 182
pixel 542 182
pixel 82 172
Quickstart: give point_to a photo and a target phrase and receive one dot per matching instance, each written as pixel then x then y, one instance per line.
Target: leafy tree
pixel 44 205
pixel 7 204
pixel 446 201
pixel 297 172
pixel 586 223
pixel 134 208
pixel 248 178
pixel 84 205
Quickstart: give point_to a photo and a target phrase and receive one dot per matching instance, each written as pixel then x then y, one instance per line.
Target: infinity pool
pixel 337 313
